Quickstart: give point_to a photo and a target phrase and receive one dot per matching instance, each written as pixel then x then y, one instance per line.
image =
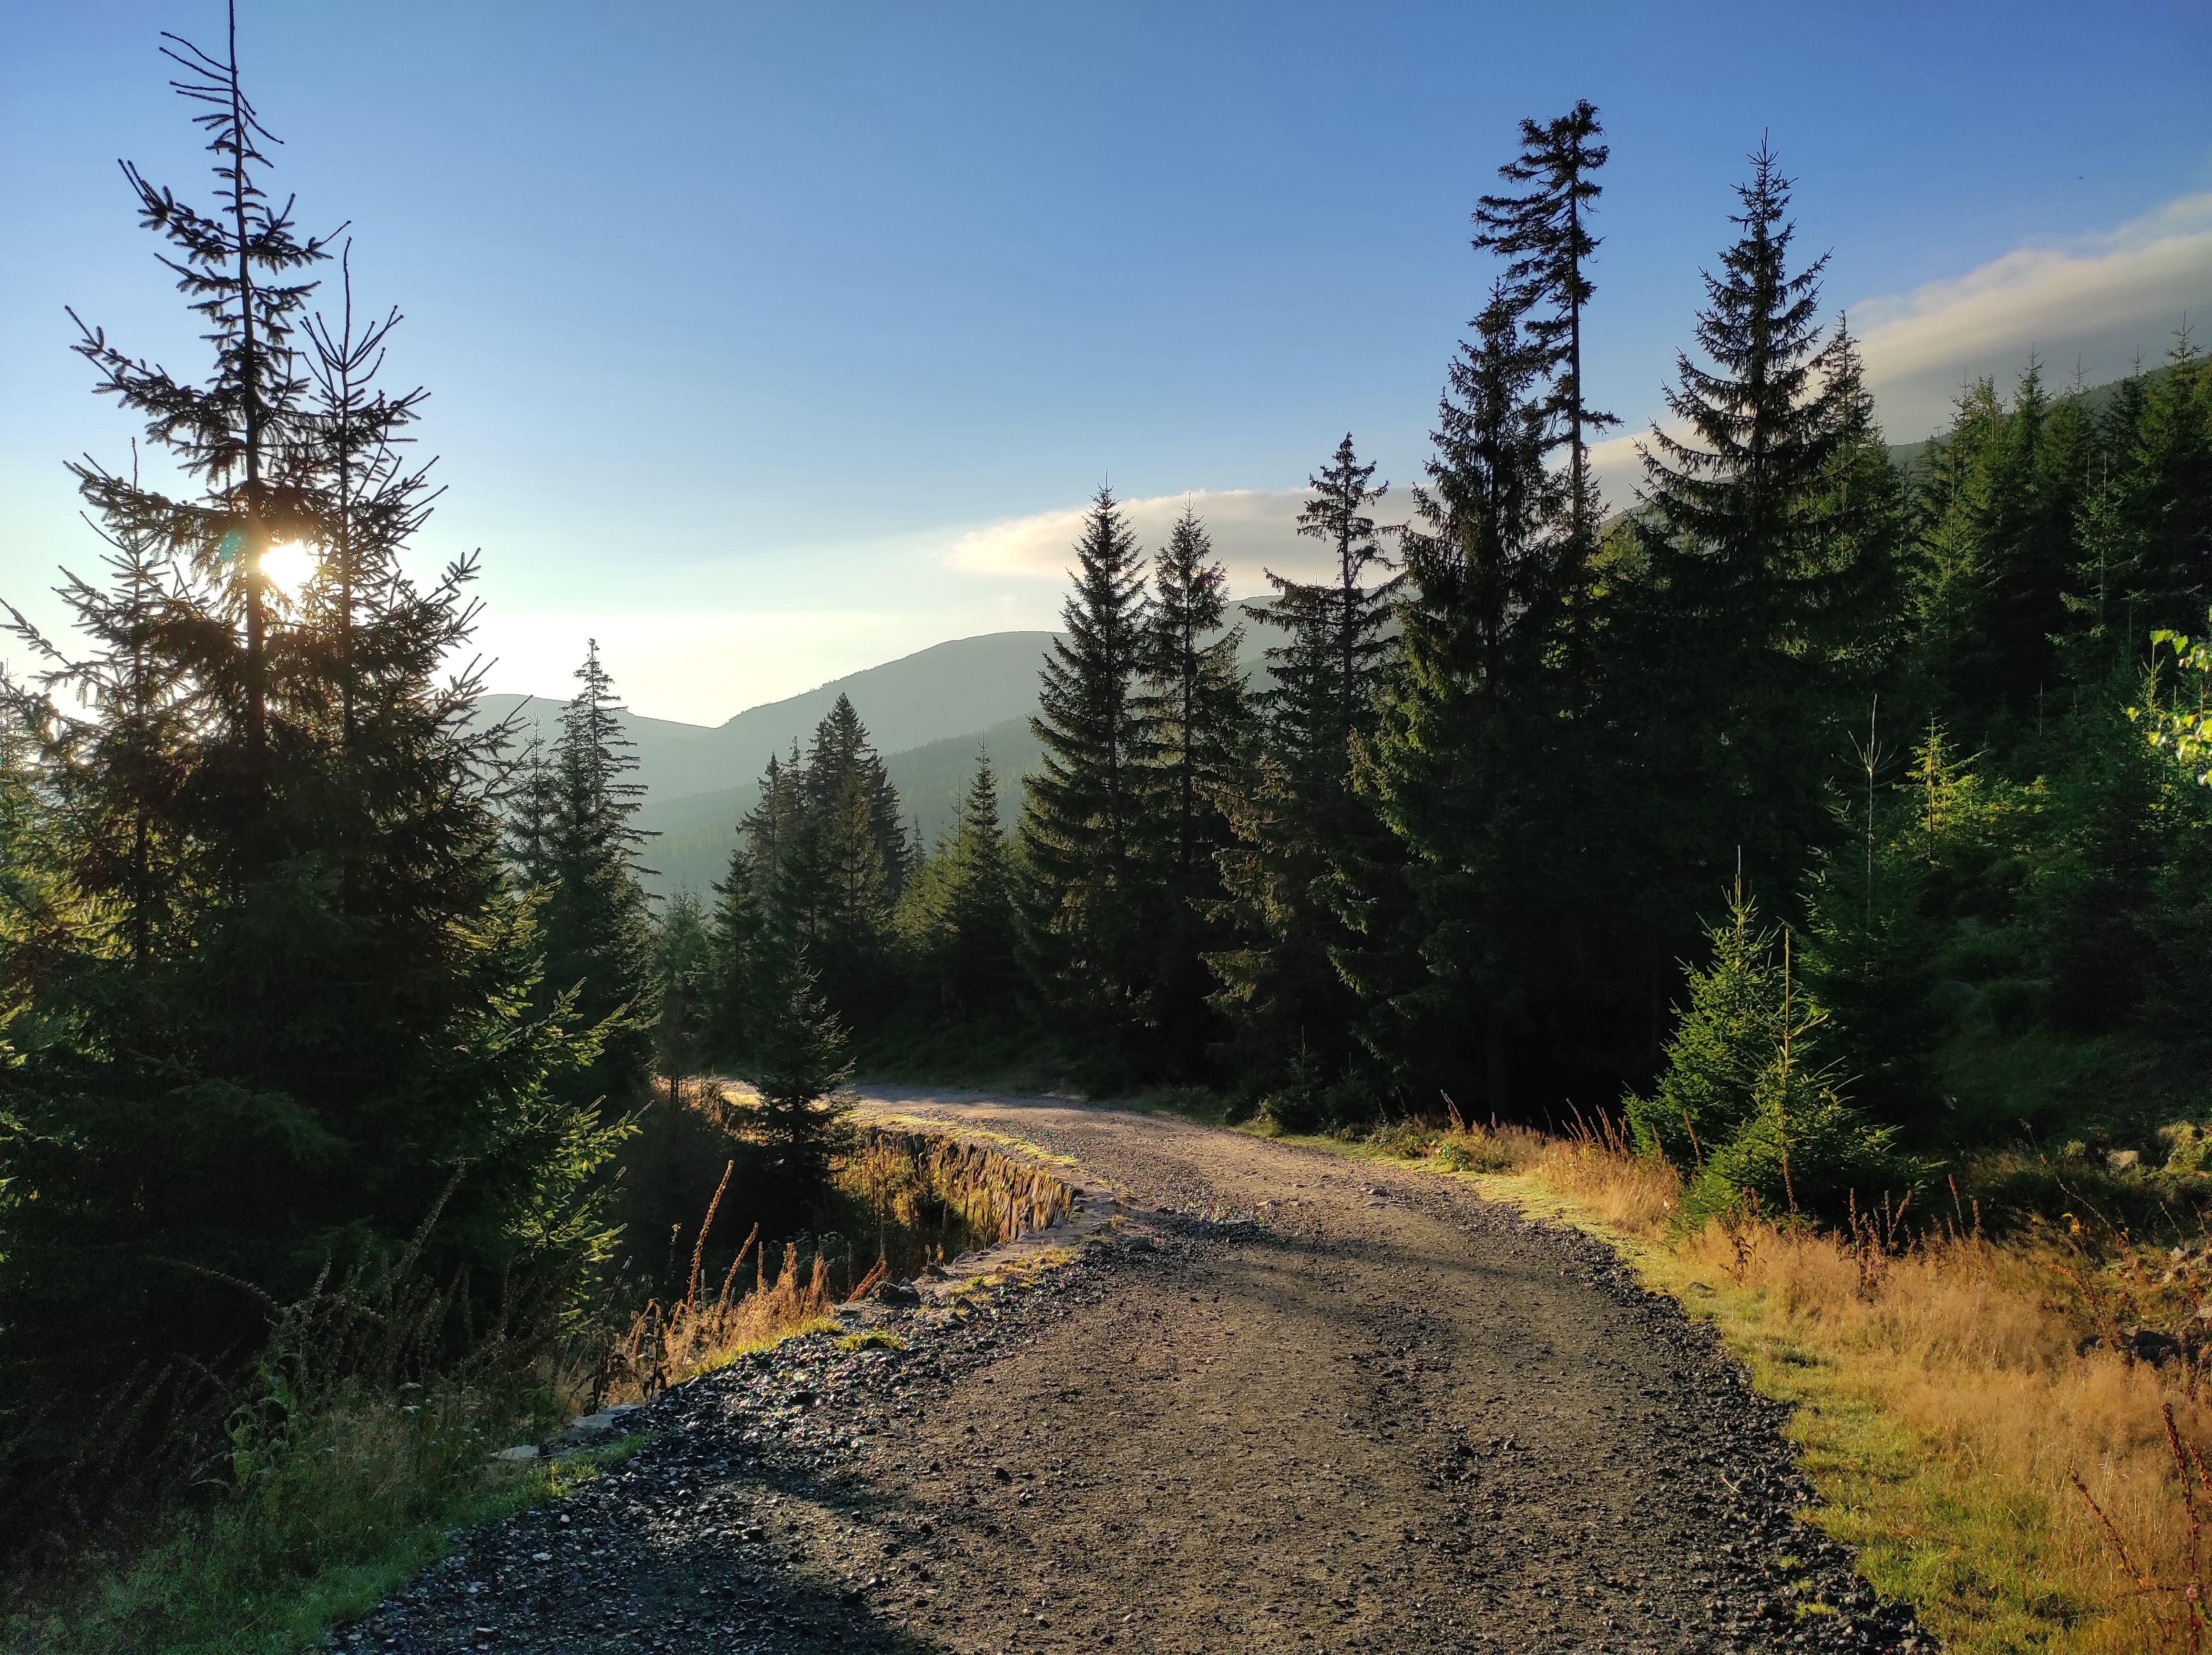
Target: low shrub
pixel 1819 1157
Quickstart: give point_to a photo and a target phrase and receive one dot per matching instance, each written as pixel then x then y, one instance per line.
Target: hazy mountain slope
pixel 950 690
pixel 698 830
pixel 927 712
pixel 932 780
pixel 1913 456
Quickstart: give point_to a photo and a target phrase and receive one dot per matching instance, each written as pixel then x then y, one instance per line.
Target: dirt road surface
pixel 1301 1403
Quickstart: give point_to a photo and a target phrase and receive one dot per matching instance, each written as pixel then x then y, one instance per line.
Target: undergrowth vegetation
pixel 351 1447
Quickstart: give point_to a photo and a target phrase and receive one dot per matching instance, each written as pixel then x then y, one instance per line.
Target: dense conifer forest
pixel 1827 815
pixel 1827 820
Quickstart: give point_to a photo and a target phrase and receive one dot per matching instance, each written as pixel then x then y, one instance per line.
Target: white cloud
pixel 2099 300
pixel 1617 464
pixel 1252 530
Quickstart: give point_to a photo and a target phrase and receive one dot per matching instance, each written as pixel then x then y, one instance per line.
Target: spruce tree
pixel 1470 765
pixel 248 433
pixel 2143 524
pixel 962 914
pixel 1543 234
pixel 737 942
pixel 781 804
pixel 134 760
pixel 1306 842
pixel 820 860
pixel 1084 818
pixel 1193 702
pixel 1999 505
pixel 1749 1104
pixel 530 813
pixel 596 929
pixel 681 991
pixel 1767 535
pixel 283 990
pixel 855 900
pixel 1322 698
pixel 829 856
pixel 356 434
pixel 802 1067
pixel 841 759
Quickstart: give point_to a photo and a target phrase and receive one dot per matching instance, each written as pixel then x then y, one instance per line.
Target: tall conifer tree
pixel 1766 535
pixel 737 944
pixel 2144 520
pixel 1304 837
pixel 842 758
pixel 1543 233
pixel 1999 505
pixel 1466 765
pixel 681 989
pixel 598 931
pixel 821 857
pixel 803 1061
pixel 962 903
pixel 1324 674
pixel 1193 703
pixel 1083 820
pixel 287 993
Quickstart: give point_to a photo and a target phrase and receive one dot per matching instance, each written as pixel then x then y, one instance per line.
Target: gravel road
pixel 1300 1403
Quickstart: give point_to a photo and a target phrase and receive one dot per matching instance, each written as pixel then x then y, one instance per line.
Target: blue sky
pixel 767 342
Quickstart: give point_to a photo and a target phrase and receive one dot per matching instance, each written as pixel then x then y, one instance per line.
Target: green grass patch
pixel 361 1500
pixel 875 1338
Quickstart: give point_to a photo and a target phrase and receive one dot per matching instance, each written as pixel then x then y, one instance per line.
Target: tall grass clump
pixel 2023 1429
pixel 666 1345
pixel 1593 1163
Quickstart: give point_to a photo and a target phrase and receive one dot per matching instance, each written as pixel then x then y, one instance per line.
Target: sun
pixel 289 566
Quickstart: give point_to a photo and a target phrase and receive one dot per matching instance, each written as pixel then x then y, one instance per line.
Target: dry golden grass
pixel 904 1174
pixel 2024 1493
pixel 666 1346
pixel 1594 1168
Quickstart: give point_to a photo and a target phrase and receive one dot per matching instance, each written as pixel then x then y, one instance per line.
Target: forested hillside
pixel 699 781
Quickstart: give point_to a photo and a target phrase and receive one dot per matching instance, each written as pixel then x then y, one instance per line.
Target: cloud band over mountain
pixel 2099 301
pixel 1254 530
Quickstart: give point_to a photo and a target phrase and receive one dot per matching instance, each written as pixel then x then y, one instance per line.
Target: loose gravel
pixel 1293 1404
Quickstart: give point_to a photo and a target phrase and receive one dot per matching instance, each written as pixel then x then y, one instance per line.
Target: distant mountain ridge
pixel 928 714
pixel 954 689
pixel 696 830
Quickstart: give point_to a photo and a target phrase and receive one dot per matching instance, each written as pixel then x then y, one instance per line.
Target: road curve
pixel 1311 1404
